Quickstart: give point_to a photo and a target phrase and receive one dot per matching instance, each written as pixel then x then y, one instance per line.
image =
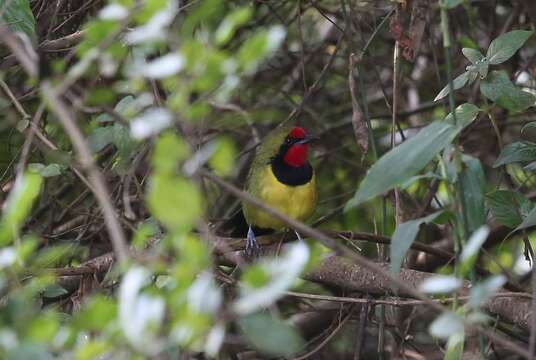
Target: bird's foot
pixel 252 248
pixel 298 235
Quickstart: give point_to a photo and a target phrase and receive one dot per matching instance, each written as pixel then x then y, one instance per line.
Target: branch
pixel 117 237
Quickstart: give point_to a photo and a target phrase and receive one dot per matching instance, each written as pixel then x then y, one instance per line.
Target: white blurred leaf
pixel 140 315
pixel 282 272
pixel 155 28
pixel 163 66
pixel 445 325
pixel 482 291
pixel 475 243
pixel 8 256
pixel 204 295
pixel 441 284
pixel 113 11
pixel 151 122
pixel 215 339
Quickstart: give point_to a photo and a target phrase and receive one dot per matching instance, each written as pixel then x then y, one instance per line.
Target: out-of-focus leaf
pixel 455 346
pixel 230 24
pixel 282 271
pixel 404 236
pixel 482 291
pixel 17 15
pixel 260 45
pixel 99 138
pixel 93 349
pixel 155 28
pixel 509 208
pixel 169 196
pixel 472 248
pixel 204 295
pixel 215 340
pixel 54 290
pixel 162 67
pixel 169 151
pixel 473 183
pixel 150 123
pixel 270 335
pixel 18 205
pixel 498 87
pixel 97 313
pixel 113 11
pixel 140 315
pixel 457 83
pixel 505 46
pixel 223 158
pixel 516 152
pixel 45 171
pixel 404 161
pixel 446 325
pixel 440 284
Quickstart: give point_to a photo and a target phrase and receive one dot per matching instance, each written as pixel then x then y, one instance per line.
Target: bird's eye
pixel 287 141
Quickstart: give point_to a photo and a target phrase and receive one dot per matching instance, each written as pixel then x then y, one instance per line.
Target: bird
pixel 281 176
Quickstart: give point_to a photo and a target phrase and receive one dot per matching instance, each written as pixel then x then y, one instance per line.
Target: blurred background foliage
pixel 162 89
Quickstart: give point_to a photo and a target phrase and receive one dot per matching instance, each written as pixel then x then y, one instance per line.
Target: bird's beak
pixel 307 139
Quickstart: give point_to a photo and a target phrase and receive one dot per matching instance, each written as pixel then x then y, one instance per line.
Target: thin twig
pixel 117 237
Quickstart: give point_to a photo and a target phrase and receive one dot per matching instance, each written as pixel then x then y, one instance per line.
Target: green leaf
pixel 404 236
pixel 54 291
pixel 530 125
pixel 473 182
pixel 528 221
pixel 232 21
pixel 47 171
pixel 457 83
pixel 473 55
pixel 504 47
pixel 455 347
pixel 100 138
pixel 169 151
pixel 270 335
pixel 17 15
pixel 18 205
pixel 223 158
pixel 174 201
pixel 498 87
pixel 509 208
pixel 407 159
pixel 520 151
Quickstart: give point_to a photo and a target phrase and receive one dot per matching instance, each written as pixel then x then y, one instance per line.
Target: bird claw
pixel 298 235
pixel 252 248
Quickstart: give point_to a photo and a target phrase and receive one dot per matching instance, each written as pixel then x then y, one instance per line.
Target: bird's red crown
pixel 297 133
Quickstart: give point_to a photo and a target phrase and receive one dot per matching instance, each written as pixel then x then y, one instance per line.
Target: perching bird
pixel 282 178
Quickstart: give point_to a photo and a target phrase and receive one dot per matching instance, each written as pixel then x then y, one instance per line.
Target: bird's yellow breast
pixel 298 202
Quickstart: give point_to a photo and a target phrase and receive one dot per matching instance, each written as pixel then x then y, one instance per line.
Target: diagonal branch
pixel 117 237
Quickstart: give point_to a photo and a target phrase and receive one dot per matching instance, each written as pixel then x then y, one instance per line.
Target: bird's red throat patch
pixel 296 154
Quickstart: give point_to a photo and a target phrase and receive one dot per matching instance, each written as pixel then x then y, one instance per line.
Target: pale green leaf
pixel 505 46
pixel 407 159
pixel 457 83
pixel 404 236
pixel 270 335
